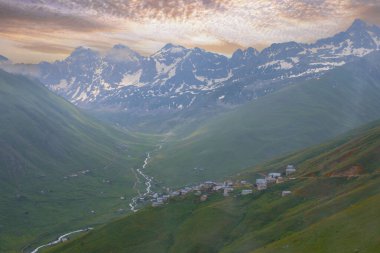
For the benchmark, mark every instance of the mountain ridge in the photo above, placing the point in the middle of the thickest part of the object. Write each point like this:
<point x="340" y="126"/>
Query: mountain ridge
<point x="295" y="117"/>
<point x="176" y="78"/>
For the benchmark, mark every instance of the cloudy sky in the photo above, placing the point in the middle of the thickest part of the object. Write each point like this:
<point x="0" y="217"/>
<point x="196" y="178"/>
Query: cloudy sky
<point x="36" y="30"/>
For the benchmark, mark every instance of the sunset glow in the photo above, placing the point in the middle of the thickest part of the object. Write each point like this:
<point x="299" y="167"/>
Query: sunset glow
<point x="31" y="31"/>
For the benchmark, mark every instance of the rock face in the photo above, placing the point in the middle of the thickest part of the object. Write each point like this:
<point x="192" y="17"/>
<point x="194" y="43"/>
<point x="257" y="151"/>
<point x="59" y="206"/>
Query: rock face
<point x="176" y="78"/>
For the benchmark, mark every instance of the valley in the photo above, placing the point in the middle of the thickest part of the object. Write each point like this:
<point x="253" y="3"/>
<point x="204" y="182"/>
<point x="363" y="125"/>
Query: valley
<point x="62" y="172"/>
<point x="322" y="209"/>
<point x="114" y="149"/>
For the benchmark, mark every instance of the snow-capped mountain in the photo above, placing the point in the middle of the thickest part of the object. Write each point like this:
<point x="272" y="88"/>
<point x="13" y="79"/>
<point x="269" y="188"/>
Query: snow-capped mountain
<point x="175" y="78"/>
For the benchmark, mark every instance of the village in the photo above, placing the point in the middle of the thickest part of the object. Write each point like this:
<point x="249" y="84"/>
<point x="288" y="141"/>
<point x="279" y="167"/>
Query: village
<point x="239" y="187"/>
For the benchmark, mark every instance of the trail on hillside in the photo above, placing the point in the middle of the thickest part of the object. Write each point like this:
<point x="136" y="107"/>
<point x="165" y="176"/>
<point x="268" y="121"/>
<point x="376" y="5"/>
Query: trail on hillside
<point x="60" y="239"/>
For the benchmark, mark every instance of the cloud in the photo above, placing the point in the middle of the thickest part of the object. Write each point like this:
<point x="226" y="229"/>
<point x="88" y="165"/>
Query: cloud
<point x="14" y="17"/>
<point x="47" y="48"/>
<point x="54" y="26"/>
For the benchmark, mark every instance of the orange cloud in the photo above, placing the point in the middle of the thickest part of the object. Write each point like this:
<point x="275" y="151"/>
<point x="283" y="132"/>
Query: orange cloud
<point x="53" y="27"/>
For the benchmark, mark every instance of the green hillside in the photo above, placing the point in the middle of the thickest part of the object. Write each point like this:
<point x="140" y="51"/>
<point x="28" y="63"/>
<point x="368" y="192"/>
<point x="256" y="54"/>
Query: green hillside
<point x="295" y="117"/>
<point x="57" y="165"/>
<point x="333" y="207"/>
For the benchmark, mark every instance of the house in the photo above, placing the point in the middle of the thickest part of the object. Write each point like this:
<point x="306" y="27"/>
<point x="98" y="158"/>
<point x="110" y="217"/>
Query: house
<point x="228" y="183"/>
<point x="175" y="193"/>
<point x="184" y="191"/>
<point x="261" y="187"/>
<point x="279" y="180"/>
<point x="203" y="198"/>
<point x="274" y="175"/>
<point x="246" y="192"/>
<point x="290" y="169"/>
<point x="157" y="204"/>
<point x="209" y="183"/>
<point x="197" y="188"/>
<point x="261" y="184"/>
<point x="227" y="190"/>
<point x="270" y="180"/>
<point x="285" y="193"/>
<point x="197" y="193"/>
<point x="217" y="187"/>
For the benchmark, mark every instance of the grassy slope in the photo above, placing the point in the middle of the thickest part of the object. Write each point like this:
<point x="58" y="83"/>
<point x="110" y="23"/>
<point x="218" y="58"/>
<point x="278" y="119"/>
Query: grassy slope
<point x="324" y="214"/>
<point x="293" y="118"/>
<point x="43" y="139"/>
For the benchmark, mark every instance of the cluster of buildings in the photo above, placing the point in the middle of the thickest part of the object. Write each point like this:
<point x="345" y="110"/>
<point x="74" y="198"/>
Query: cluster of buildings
<point x="202" y="190"/>
<point x="275" y="178"/>
<point x="227" y="187"/>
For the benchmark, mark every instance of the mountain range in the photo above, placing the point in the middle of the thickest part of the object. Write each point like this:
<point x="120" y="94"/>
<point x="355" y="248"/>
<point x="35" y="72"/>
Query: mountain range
<point x="177" y="78"/>
<point x="297" y="116"/>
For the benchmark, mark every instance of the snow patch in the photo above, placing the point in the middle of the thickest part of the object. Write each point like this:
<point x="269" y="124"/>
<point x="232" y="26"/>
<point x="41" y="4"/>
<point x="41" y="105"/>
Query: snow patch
<point x="279" y="64"/>
<point x="295" y="59"/>
<point x="336" y="64"/>
<point x="285" y="65"/>
<point x="191" y="102"/>
<point x="131" y="80"/>
<point x="62" y="85"/>
<point x="82" y="97"/>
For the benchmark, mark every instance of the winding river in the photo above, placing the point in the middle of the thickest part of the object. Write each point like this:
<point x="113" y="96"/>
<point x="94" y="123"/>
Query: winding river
<point x="148" y="184"/>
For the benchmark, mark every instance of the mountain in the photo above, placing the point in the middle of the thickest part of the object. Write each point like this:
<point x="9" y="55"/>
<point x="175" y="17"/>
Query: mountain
<point x="3" y="59"/>
<point x="57" y="165"/>
<point x="300" y="115"/>
<point x="177" y="79"/>
<point x="333" y="207"/>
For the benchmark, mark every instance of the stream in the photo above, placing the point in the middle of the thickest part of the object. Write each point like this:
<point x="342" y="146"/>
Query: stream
<point x="148" y="184"/>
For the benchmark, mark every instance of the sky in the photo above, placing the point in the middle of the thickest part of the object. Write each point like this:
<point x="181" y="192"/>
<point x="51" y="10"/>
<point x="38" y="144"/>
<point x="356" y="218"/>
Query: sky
<point x="47" y="30"/>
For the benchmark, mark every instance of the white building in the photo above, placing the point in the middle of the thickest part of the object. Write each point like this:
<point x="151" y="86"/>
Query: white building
<point x="261" y="184"/>
<point x="274" y="175"/>
<point x="246" y="192"/>
<point x="290" y="169"/>
<point x="203" y="197"/>
<point x="285" y="193"/>
<point x="217" y="187"/>
<point x="227" y="190"/>
<point x="156" y="204"/>
<point x="175" y="193"/>
<point x="270" y="180"/>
